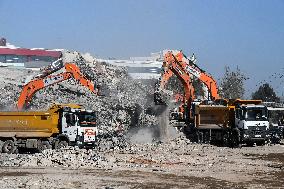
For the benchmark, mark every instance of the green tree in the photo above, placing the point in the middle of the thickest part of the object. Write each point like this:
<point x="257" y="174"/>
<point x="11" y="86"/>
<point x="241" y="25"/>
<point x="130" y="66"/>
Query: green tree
<point x="265" y="93"/>
<point x="232" y="84"/>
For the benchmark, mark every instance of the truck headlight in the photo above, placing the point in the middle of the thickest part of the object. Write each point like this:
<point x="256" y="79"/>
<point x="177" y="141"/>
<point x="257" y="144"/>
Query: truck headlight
<point x="246" y="136"/>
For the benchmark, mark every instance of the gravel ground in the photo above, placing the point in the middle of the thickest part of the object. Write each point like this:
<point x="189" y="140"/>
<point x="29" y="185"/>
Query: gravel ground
<point x="173" y="164"/>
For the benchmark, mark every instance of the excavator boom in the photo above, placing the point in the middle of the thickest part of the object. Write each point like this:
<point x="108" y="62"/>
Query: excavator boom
<point x="70" y="71"/>
<point x="176" y="63"/>
<point x="171" y="68"/>
<point x="192" y="69"/>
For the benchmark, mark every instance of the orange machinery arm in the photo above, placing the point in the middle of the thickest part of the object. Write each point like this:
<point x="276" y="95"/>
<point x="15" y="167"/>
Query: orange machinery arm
<point x="172" y="67"/>
<point x="192" y="69"/>
<point x="71" y="71"/>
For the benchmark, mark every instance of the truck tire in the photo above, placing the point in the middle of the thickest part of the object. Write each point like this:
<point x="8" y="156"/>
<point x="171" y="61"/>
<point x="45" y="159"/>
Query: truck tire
<point x="260" y="143"/>
<point x="235" y="139"/>
<point x="9" y="147"/>
<point x="200" y="139"/>
<point x="62" y="144"/>
<point x="226" y="139"/>
<point x="1" y="145"/>
<point x="43" y="145"/>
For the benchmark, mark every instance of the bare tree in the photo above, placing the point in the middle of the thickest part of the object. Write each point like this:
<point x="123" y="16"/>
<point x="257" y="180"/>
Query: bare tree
<point x="232" y="84"/>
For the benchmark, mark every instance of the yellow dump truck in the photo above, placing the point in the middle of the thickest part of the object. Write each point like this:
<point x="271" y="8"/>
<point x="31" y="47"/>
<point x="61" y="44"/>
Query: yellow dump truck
<point x="61" y="125"/>
<point x="240" y="121"/>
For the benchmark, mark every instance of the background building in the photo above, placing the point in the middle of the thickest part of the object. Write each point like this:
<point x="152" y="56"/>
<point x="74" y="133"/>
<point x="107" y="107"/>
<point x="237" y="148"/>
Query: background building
<point x="12" y="56"/>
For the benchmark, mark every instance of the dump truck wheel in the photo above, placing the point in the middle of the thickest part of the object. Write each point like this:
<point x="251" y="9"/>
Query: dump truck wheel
<point x="200" y="139"/>
<point x="1" y="145"/>
<point x="43" y="145"/>
<point x="236" y="142"/>
<point x="9" y="147"/>
<point x="62" y="144"/>
<point x="260" y="143"/>
<point x="226" y="139"/>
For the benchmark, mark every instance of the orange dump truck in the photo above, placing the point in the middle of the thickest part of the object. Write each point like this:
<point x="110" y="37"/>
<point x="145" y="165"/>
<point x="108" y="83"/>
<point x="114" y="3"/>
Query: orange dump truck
<point x="241" y="121"/>
<point x="61" y="125"/>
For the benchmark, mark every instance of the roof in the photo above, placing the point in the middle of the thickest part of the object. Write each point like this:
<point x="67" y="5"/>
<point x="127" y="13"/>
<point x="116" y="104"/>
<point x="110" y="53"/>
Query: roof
<point x="29" y="52"/>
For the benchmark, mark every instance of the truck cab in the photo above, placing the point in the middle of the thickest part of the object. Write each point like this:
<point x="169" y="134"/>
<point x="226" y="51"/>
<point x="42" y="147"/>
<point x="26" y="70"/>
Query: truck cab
<point x="79" y="125"/>
<point x="252" y="121"/>
<point x="276" y="122"/>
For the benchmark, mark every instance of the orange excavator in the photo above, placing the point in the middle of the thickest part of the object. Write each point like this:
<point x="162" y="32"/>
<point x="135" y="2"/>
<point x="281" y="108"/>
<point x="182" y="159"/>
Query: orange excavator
<point x="175" y="62"/>
<point x="191" y="68"/>
<point x="54" y="73"/>
<point x="218" y="119"/>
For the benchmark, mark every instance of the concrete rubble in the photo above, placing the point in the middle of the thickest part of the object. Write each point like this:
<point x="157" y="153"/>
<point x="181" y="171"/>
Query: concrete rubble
<point x="176" y="162"/>
<point x="100" y="158"/>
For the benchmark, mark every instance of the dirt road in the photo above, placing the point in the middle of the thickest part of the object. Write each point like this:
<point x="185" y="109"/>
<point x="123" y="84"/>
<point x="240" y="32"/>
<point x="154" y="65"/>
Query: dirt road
<point x="156" y="166"/>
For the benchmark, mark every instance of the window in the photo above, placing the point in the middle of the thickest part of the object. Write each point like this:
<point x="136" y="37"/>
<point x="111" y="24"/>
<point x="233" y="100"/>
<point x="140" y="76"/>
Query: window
<point x="10" y="58"/>
<point x="22" y="59"/>
<point x="87" y="119"/>
<point x="42" y="58"/>
<point x="255" y="114"/>
<point x="2" y="58"/>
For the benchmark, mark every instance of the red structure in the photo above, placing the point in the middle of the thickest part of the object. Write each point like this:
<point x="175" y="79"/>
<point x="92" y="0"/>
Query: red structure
<point x="29" y="58"/>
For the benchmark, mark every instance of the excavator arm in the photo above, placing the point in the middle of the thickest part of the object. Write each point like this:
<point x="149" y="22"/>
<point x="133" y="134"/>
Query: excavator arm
<point x="175" y="62"/>
<point x="171" y="63"/>
<point x="70" y="71"/>
<point x="192" y="69"/>
<point x="170" y="68"/>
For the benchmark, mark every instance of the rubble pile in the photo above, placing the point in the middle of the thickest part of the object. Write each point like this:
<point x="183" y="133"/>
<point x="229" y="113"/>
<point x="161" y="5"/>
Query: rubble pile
<point x="123" y="105"/>
<point x="10" y="82"/>
<point x="74" y="157"/>
<point x="64" y="157"/>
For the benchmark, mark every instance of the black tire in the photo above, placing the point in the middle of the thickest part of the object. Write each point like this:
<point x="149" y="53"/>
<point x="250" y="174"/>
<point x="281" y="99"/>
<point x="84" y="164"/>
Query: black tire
<point x="62" y="144"/>
<point x="9" y="147"/>
<point x="236" y="140"/>
<point x="260" y="143"/>
<point x="200" y="139"/>
<point x="193" y="134"/>
<point x="250" y="143"/>
<point x="43" y="145"/>
<point x="1" y="145"/>
<point x="206" y="138"/>
<point x="226" y="139"/>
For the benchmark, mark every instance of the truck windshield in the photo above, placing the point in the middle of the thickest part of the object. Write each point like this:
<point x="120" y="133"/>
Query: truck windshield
<point x="256" y="114"/>
<point x="87" y="119"/>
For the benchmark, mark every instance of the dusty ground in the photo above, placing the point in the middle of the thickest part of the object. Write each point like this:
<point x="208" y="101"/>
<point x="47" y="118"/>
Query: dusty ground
<point x="167" y="165"/>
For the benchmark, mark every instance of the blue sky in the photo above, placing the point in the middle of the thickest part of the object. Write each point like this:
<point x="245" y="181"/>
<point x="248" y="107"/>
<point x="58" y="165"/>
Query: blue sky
<point x="247" y="34"/>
